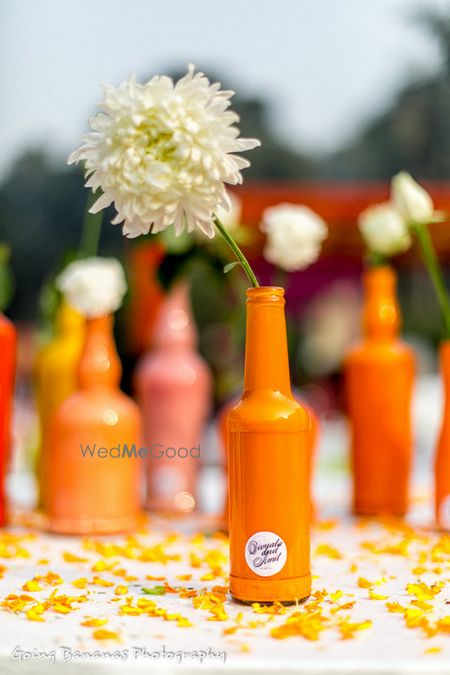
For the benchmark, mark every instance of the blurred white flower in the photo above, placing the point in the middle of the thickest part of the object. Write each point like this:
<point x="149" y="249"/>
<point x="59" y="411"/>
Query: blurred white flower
<point x="411" y="199"/>
<point x="384" y="230"/>
<point x="162" y="153"/>
<point x="294" y="236"/>
<point x="94" y="286"/>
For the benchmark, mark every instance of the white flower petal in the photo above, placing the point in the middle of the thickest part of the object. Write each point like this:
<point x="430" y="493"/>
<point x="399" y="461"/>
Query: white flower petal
<point x="294" y="236"/>
<point x="411" y="199"/>
<point x="384" y="230"/>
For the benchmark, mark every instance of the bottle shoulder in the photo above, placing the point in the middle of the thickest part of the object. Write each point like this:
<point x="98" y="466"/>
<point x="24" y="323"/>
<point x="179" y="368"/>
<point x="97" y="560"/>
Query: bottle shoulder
<point x="374" y="350"/>
<point x="266" y="410"/>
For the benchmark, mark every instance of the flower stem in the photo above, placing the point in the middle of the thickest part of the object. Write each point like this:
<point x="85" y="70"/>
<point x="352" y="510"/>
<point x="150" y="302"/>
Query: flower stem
<point x="237" y="251"/>
<point x="435" y="272"/>
<point x="92" y="227"/>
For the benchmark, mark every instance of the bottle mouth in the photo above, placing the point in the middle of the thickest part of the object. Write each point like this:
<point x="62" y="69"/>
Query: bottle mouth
<point x="265" y="294"/>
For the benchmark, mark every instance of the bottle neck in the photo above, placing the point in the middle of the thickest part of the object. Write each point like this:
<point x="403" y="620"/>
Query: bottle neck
<point x="381" y="313"/>
<point x="68" y="320"/>
<point x="444" y="359"/>
<point x="266" y="353"/>
<point x="175" y="328"/>
<point x="99" y="364"/>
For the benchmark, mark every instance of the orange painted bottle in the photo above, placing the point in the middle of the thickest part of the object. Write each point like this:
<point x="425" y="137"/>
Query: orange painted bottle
<point x="269" y="518"/>
<point x="8" y="348"/>
<point x="442" y="457"/>
<point x="222" y="429"/>
<point x="95" y="491"/>
<point x="56" y="368"/>
<point x="379" y="375"/>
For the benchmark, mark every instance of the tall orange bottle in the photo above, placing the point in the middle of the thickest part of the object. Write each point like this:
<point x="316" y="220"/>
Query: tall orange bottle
<point x="442" y="460"/>
<point x="8" y="347"/>
<point x="94" y="491"/>
<point x="379" y="376"/>
<point x="268" y="466"/>
<point x="56" y="370"/>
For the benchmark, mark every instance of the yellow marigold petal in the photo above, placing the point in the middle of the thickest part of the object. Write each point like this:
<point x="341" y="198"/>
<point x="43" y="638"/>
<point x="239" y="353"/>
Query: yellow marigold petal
<point x="35" y="613"/>
<point x="328" y="551"/>
<point x="72" y="558"/>
<point x="94" y="623"/>
<point x="103" y="634"/>
<point x="336" y="595"/>
<point x="102" y="566"/>
<point x="419" y="570"/>
<point x="443" y="624"/>
<point x="424" y="592"/>
<point x="121" y="590"/>
<point x="395" y="607"/>
<point x="62" y="609"/>
<point x="218" y="614"/>
<point x="421" y="604"/>
<point x="98" y="581"/>
<point x="376" y="596"/>
<point x="348" y="629"/>
<point x="31" y="586"/>
<point x="80" y="583"/>
<point x="183" y="622"/>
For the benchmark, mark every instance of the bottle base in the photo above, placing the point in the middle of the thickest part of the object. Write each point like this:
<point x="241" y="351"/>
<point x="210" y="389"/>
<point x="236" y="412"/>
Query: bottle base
<point x="267" y="591"/>
<point x="375" y="510"/>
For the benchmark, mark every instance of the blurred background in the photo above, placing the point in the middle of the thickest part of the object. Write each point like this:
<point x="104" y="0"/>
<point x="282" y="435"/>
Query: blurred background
<point x="342" y="95"/>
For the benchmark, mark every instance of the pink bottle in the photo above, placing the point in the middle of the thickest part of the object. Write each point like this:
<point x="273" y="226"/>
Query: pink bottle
<point x="173" y="385"/>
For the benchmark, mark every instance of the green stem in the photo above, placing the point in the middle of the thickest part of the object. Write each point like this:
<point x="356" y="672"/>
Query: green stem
<point x="92" y="227"/>
<point x="376" y="259"/>
<point x="435" y="272"/>
<point x="237" y="251"/>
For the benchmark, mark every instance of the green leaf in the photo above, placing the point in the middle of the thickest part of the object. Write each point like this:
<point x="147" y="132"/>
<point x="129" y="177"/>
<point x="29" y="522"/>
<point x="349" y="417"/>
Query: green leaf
<point x="156" y="590"/>
<point x="230" y="266"/>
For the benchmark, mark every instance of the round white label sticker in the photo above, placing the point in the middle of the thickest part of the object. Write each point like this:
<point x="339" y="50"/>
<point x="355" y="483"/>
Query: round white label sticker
<point x="265" y="553"/>
<point x="444" y="512"/>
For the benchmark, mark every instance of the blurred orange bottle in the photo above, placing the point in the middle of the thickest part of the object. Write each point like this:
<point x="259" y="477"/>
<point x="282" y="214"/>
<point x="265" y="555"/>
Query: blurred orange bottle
<point x="379" y="375"/>
<point x="8" y="347"/>
<point x="56" y="368"/>
<point x="269" y="515"/>
<point x="95" y="491"/>
<point x="442" y="460"/>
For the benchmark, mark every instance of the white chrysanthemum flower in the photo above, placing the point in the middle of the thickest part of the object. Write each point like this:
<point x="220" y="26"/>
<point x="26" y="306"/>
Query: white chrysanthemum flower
<point x="162" y="153"/>
<point x="384" y="230"/>
<point x="94" y="286"/>
<point x="294" y="236"/>
<point x="411" y="199"/>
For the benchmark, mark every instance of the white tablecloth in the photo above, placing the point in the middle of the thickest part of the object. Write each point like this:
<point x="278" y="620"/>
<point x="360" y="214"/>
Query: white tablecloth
<point x="348" y="556"/>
